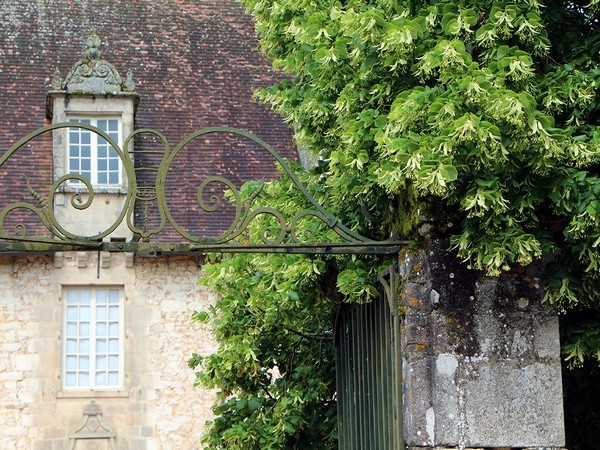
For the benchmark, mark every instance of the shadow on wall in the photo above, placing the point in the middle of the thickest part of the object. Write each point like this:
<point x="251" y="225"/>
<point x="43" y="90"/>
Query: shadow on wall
<point x="581" y="389"/>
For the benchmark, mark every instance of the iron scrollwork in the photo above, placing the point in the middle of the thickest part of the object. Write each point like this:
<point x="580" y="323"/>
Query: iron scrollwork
<point x="283" y="237"/>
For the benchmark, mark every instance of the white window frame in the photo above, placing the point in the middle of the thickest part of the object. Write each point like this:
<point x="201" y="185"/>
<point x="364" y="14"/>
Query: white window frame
<point x="93" y="353"/>
<point x="94" y="149"/>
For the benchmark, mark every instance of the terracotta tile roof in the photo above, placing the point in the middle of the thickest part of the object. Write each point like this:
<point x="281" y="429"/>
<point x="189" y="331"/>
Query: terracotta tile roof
<point x="195" y="64"/>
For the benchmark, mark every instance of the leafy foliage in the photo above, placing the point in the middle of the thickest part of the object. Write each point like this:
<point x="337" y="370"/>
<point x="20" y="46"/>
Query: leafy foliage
<point x="274" y="368"/>
<point x="489" y="109"/>
<point x="485" y="112"/>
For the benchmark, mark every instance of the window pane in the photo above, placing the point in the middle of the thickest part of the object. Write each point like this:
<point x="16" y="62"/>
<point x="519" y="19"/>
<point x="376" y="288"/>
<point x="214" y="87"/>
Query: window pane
<point x="101" y="362"/>
<point x="84" y="379"/>
<point x="86" y="138"/>
<point x="84" y="329"/>
<point x="71" y="362"/>
<point x="71" y="313"/>
<point x="71" y="329"/>
<point x="113" y="329"/>
<point x="72" y="297"/>
<point x="84" y="313"/>
<point x="101" y="329"/>
<point x="86" y="165"/>
<point x="113" y="378"/>
<point x="101" y="296"/>
<point x="114" y="296"/>
<point x="84" y="346"/>
<point x="113" y="345"/>
<point x="102" y="178"/>
<point x="84" y="363"/>
<point x="84" y="296"/>
<point x="101" y="345"/>
<point x="114" y="313"/>
<point x="71" y="345"/>
<point x="102" y="124"/>
<point x="70" y="379"/>
<point x="113" y="362"/>
<point x="100" y="312"/>
<point x="100" y="379"/>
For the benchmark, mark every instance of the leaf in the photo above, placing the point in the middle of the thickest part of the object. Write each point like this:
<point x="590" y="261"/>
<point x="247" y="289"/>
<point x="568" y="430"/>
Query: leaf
<point x="449" y="173"/>
<point x="201" y="316"/>
<point x="452" y="27"/>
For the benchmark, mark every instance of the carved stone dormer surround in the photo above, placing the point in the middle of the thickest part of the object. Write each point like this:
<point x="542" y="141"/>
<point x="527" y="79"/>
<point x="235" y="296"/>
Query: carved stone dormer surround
<point x="91" y="76"/>
<point x="92" y="89"/>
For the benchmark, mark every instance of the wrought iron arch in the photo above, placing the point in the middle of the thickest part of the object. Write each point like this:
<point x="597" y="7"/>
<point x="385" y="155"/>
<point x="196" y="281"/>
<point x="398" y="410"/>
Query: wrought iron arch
<point x="285" y="239"/>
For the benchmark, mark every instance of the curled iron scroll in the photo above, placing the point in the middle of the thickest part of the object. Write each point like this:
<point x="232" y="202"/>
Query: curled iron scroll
<point x="285" y="231"/>
<point x="80" y="200"/>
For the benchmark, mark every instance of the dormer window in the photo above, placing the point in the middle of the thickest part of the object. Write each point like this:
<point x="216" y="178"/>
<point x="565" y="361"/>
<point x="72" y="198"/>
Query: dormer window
<point x="93" y="93"/>
<point x="90" y="155"/>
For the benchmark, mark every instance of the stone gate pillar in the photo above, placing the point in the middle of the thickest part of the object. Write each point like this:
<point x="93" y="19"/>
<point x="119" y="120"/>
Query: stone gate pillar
<point x="481" y="356"/>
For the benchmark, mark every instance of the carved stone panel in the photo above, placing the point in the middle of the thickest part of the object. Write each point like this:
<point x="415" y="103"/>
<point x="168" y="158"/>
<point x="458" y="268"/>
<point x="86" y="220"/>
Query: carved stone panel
<point x="93" y="433"/>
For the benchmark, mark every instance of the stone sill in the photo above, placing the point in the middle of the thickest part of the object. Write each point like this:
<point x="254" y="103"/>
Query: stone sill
<point x="92" y="394"/>
<point x="98" y="189"/>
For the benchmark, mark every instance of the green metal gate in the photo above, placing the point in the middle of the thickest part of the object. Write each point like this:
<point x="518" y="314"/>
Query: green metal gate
<point x="369" y="374"/>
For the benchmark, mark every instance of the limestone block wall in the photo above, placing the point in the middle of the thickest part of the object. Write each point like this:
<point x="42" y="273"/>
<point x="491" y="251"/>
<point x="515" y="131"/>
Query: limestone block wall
<point x="158" y="408"/>
<point x="481" y="356"/>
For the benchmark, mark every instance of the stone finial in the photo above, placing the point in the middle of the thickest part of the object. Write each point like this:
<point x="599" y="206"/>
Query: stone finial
<point x="92" y="45"/>
<point x="129" y="83"/>
<point x="93" y="409"/>
<point x="57" y="81"/>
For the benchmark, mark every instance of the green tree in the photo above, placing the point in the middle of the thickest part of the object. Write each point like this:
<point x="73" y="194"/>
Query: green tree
<point x="485" y="111"/>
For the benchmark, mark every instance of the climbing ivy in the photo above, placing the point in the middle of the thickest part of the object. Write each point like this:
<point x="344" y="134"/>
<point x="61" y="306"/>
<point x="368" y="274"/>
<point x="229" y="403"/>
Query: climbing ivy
<point x="485" y="112"/>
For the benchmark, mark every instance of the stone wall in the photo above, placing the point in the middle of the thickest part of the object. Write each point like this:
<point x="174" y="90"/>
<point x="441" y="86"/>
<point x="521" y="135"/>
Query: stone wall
<point x="481" y="356"/>
<point x="159" y="407"/>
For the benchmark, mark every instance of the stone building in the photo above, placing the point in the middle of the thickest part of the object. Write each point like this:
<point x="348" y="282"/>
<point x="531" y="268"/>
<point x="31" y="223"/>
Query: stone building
<point x="93" y="345"/>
